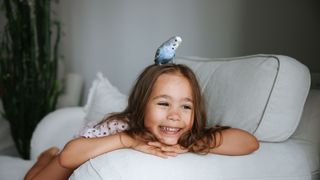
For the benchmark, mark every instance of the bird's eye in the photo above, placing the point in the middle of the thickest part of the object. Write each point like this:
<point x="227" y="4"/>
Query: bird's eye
<point x="172" y="48"/>
<point x="175" y="40"/>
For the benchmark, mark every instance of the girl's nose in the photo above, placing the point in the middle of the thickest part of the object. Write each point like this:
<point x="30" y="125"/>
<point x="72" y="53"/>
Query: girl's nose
<point x="174" y="114"/>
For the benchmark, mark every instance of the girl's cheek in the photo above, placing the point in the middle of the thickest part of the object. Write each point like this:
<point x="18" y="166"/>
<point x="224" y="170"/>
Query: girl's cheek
<point x="189" y="117"/>
<point x="156" y="112"/>
<point x="160" y="112"/>
<point x="187" y="113"/>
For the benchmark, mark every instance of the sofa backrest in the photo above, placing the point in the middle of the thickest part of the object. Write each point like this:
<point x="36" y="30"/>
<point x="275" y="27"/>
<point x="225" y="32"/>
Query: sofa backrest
<point x="262" y="94"/>
<point x="308" y="129"/>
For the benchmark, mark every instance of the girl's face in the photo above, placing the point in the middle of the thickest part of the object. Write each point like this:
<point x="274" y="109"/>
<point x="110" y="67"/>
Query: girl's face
<point x="169" y="111"/>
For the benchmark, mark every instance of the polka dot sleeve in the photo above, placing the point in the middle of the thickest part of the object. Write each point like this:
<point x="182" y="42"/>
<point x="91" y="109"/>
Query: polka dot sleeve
<point x="104" y="129"/>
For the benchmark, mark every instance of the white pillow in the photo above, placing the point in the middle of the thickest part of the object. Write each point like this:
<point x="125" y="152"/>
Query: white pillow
<point x="262" y="94"/>
<point x="103" y="99"/>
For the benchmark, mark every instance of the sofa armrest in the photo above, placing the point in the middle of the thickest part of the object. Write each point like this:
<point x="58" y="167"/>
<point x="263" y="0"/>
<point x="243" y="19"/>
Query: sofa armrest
<point x="71" y="92"/>
<point x="56" y="129"/>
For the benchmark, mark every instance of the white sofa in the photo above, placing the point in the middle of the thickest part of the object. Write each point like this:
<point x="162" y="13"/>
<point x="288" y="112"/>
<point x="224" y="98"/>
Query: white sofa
<point x="263" y="94"/>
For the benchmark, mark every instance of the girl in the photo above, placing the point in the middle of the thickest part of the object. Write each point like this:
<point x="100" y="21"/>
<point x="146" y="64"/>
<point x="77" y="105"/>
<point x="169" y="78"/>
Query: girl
<point x="165" y="117"/>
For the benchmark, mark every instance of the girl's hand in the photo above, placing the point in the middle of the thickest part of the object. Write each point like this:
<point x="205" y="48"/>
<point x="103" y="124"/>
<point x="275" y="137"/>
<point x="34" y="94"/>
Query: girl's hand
<point x="169" y="149"/>
<point x="153" y="148"/>
<point x="144" y="147"/>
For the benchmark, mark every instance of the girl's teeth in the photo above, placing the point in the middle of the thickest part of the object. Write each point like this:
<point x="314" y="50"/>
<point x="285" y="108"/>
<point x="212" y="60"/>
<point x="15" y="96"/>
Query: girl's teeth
<point x="170" y="129"/>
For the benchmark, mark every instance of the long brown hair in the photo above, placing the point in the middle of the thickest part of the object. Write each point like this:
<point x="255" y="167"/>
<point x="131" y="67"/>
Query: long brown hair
<point x="198" y="139"/>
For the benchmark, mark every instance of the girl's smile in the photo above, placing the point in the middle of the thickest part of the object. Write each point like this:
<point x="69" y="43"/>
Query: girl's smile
<point x="169" y="111"/>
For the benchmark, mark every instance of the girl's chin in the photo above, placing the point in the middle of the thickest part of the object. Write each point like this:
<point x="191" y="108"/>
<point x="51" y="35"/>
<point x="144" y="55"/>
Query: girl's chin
<point x="170" y="142"/>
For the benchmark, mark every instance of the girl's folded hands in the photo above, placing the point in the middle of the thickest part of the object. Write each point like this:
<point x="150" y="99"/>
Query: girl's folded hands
<point x="154" y="148"/>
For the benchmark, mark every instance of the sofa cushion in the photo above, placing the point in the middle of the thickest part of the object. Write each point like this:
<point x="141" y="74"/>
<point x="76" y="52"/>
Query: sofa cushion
<point x="14" y="168"/>
<point x="262" y="94"/>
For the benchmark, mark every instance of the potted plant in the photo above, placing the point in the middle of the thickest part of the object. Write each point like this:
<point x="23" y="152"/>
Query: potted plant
<point x="28" y="67"/>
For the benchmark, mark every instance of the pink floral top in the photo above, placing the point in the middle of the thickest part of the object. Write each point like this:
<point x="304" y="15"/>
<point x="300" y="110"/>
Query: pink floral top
<point x="103" y="129"/>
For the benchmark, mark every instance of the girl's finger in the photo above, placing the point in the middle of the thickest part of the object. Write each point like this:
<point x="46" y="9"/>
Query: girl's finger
<point x="155" y="144"/>
<point x="181" y="149"/>
<point x="173" y="154"/>
<point x="175" y="148"/>
<point x="164" y="147"/>
<point x="164" y="154"/>
<point x="158" y="152"/>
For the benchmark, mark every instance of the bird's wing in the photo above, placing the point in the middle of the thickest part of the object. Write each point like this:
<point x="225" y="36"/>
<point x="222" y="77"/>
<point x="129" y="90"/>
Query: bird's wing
<point x="158" y="53"/>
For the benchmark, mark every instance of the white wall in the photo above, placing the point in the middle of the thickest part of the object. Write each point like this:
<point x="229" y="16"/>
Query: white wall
<point x="119" y="37"/>
<point x="290" y="27"/>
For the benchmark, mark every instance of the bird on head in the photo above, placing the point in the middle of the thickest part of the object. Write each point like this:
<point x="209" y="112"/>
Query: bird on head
<point x="167" y="51"/>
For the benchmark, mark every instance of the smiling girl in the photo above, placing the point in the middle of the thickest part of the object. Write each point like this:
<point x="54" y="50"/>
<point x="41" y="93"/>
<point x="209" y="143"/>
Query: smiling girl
<point x="165" y="117"/>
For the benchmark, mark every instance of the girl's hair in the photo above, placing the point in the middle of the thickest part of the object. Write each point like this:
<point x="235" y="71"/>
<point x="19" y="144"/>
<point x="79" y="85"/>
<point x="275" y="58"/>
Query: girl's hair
<point x="198" y="139"/>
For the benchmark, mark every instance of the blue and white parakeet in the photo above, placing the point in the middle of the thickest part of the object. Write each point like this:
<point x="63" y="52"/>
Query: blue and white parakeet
<point x="167" y="51"/>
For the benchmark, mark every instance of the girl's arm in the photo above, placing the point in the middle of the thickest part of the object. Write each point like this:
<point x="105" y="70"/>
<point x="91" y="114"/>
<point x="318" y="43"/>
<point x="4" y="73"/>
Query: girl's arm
<point x="231" y="142"/>
<point x="80" y="150"/>
<point x="235" y="142"/>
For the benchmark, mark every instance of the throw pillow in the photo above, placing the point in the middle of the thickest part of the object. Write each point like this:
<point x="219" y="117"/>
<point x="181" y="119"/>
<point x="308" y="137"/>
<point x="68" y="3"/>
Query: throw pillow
<point x="103" y="99"/>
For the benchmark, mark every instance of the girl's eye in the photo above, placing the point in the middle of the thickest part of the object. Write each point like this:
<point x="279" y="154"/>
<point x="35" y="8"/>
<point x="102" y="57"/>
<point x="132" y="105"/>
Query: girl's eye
<point x="186" y="107"/>
<point x="163" y="104"/>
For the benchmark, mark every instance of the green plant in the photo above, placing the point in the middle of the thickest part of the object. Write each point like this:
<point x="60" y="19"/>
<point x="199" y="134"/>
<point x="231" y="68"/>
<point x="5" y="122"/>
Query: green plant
<point x="28" y="67"/>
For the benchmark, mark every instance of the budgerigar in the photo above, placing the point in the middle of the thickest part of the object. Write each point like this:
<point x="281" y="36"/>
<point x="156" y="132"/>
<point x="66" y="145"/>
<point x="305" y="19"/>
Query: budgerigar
<point x="167" y="51"/>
